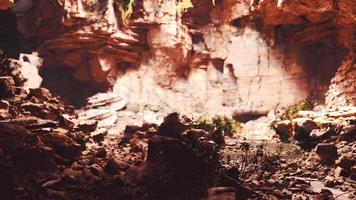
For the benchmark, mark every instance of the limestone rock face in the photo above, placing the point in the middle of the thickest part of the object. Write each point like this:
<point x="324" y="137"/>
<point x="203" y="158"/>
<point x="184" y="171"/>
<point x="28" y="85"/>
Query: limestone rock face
<point x="342" y="88"/>
<point x="244" y="56"/>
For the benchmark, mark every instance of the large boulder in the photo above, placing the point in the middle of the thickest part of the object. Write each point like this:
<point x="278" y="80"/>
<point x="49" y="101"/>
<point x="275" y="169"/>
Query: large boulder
<point x="181" y="152"/>
<point x="25" y="148"/>
<point x="173" y="125"/>
<point x="63" y="145"/>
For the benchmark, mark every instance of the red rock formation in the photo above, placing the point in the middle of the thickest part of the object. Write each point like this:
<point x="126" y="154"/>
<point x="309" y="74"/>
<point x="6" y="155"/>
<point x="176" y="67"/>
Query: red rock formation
<point x="5" y="4"/>
<point x="212" y="63"/>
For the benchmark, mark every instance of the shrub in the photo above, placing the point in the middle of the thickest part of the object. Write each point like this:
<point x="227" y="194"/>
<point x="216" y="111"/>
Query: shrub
<point x="218" y="123"/>
<point x="126" y="8"/>
<point x="291" y="112"/>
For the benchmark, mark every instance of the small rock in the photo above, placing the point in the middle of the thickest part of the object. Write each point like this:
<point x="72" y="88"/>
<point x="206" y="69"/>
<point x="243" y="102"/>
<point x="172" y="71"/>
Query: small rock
<point x="88" y="126"/>
<point x="119" y="180"/>
<point x="41" y="93"/>
<point x="340" y="172"/>
<point x="7" y="84"/>
<point x="140" y="135"/>
<point x="98" y="136"/>
<point x="327" y="152"/>
<point x="68" y="121"/>
<point x="4" y="104"/>
<point x="62" y="144"/>
<point x="130" y="130"/>
<point x="96" y="169"/>
<point x="101" y="152"/>
<point x="348" y="133"/>
<point x="324" y="194"/>
<point x="284" y="128"/>
<point x="111" y="167"/>
<point x="353" y="172"/>
<point x="320" y="134"/>
<point x="303" y="127"/>
<point x="346" y="162"/>
<point x="329" y="181"/>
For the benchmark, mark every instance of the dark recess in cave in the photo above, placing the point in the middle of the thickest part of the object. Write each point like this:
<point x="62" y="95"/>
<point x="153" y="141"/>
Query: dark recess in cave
<point x="9" y="34"/>
<point x="62" y="83"/>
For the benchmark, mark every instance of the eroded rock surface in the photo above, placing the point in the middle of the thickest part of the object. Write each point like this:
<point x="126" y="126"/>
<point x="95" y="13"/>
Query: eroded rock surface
<point x="242" y="55"/>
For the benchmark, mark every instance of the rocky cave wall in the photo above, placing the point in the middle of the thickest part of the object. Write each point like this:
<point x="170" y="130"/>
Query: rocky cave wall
<point x="234" y="56"/>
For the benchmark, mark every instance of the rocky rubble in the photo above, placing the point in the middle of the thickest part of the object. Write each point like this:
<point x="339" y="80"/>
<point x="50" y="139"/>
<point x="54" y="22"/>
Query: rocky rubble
<point x="331" y="135"/>
<point x="165" y="54"/>
<point x="47" y="152"/>
<point x="37" y="131"/>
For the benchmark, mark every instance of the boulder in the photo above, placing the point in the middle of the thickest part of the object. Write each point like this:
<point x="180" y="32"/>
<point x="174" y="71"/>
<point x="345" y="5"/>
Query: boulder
<point x="7" y="84"/>
<point x="327" y="153"/>
<point x="87" y="126"/>
<point x="173" y="125"/>
<point x="348" y="133"/>
<point x="41" y="93"/>
<point x="284" y="127"/>
<point x="303" y="127"/>
<point x="339" y="171"/>
<point x="12" y="136"/>
<point x="320" y="134"/>
<point x="346" y="162"/>
<point x="353" y="172"/>
<point x="4" y="109"/>
<point x="62" y="144"/>
<point x="113" y="166"/>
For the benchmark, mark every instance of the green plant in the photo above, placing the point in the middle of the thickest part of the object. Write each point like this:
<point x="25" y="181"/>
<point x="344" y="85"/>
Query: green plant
<point x="218" y="123"/>
<point x="291" y="112"/>
<point x="183" y="5"/>
<point x="126" y="8"/>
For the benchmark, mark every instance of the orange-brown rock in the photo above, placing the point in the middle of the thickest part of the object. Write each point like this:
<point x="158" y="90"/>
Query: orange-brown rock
<point x="285" y="50"/>
<point x="6" y="4"/>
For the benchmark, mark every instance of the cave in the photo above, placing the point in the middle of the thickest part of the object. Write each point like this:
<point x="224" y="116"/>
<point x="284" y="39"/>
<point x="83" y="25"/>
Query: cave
<point x="62" y="82"/>
<point x="9" y="35"/>
<point x="177" y="100"/>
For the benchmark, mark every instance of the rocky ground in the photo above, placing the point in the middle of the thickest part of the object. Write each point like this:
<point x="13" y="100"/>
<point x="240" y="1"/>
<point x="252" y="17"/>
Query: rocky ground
<point x="48" y="151"/>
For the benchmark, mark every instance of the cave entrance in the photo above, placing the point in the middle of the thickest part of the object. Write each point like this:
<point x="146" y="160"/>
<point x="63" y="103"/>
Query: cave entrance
<point x="61" y="82"/>
<point x="8" y="34"/>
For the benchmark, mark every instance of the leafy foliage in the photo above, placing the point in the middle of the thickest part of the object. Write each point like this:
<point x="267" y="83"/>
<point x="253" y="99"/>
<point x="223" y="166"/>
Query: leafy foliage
<point x="126" y="8"/>
<point x="291" y="112"/>
<point x="218" y="123"/>
<point x="183" y="5"/>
